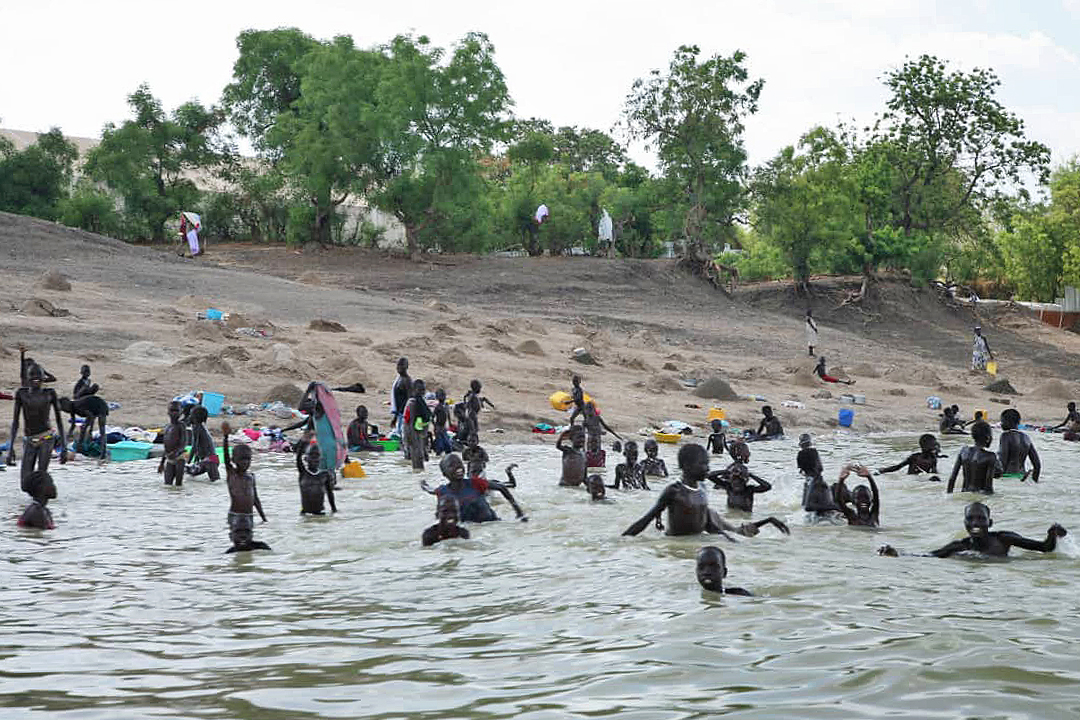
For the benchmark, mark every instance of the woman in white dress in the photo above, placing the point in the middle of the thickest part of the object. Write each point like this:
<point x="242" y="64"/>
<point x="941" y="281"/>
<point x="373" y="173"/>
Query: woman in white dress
<point x="811" y="332"/>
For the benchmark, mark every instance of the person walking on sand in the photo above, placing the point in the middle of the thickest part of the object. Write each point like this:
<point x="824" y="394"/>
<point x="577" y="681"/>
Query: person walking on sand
<point x="980" y="351"/>
<point x="811" y="332"/>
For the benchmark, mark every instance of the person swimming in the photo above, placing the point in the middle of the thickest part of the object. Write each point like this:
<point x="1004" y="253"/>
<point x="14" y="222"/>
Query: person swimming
<point x="862" y="506"/>
<point x="808" y="460"/>
<point x="924" y="461"/>
<point x="447" y="528"/>
<point x="597" y="489"/>
<point x="41" y="489"/>
<point x="711" y="569"/>
<point x="736" y="482"/>
<point x="950" y="423"/>
<point x="653" y="465"/>
<point x="359" y="433"/>
<point x="629" y="475"/>
<point x="981" y="540"/>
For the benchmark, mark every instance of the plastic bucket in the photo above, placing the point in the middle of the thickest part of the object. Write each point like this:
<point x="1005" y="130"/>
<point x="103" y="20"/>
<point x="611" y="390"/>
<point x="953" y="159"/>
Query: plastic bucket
<point x="846" y="417"/>
<point x="716" y="414"/>
<point x="214" y="314"/>
<point x="985" y="414"/>
<point x="991" y="367"/>
<point x="213" y="401"/>
<point x="129" y="450"/>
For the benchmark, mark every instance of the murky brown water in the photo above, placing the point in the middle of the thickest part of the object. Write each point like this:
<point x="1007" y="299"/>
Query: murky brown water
<point x="129" y="609"/>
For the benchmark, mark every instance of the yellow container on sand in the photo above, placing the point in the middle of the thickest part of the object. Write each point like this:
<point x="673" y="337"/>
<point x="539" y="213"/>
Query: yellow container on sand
<point x="716" y="414"/>
<point x="991" y="367"/>
<point x="671" y="438"/>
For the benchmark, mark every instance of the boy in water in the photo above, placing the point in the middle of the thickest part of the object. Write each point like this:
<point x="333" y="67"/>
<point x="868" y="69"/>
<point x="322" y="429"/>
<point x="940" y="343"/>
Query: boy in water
<point x="475" y="458"/>
<point x="440" y="419"/>
<point x="653" y="465"/>
<point x="924" y="461"/>
<point x="597" y="489"/>
<point x="172" y="462"/>
<point x="687" y="506"/>
<point x="470" y="492"/>
<point x="464" y="425"/>
<point x="1015" y="448"/>
<point x="866" y="502"/>
<point x="315" y="482"/>
<point x="42" y="490"/>
<point x="400" y="394"/>
<point x="573" y="457"/>
<point x="980" y="466"/>
<point x="1071" y="421"/>
<point x="769" y="428"/>
<point x="243" y="496"/>
<point x="33" y="404"/>
<point x="447" y="527"/>
<point x="950" y="423"/>
<point x="712" y="569"/>
<point x="808" y="460"/>
<point x="977" y="522"/>
<point x="474" y="403"/>
<point x="735" y="480"/>
<point x="594" y="430"/>
<point x="25" y="363"/>
<point x="203" y="453"/>
<point x="717" y="442"/>
<point x="359" y="432"/>
<point x="415" y="426"/>
<point x="629" y="474"/>
<point x="94" y="410"/>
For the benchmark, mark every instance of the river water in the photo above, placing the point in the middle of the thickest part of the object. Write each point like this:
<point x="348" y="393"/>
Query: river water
<point x="130" y="609"/>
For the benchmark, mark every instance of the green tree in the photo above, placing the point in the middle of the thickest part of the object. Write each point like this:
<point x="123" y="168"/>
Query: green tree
<point x="148" y="160"/>
<point x="89" y="208"/>
<point x="529" y="158"/>
<point x="693" y="116"/>
<point x="440" y="116"/>
<point x="35" y="180"/>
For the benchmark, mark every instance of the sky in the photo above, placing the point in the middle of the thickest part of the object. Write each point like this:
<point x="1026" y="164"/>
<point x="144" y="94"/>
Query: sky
<point x="73" y="63"/>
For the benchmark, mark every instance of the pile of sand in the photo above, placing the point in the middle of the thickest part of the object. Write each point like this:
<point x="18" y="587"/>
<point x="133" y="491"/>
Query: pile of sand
<point x="237" y="353"/>
<point x="1001" y="387"/>
<point x="280" y="360"/>
<point x="1054" y="389"/>
<point x="443" y="329"/>
<point x="531" y="347"/>
<point x="321" y="325"/>
<point x="310" y="278"/>
<point x="206" y="330"/>
<point x="342" y="367"/>
<point x="501" y="348"/>
<point x="917" y="375"/>
<point x="804" y="376"/>
<point x="36" y="307"/>
<point x="147" y="353"/>
<point x="865" y="370"/>
<point x="286" y="393"/>
<point x="205" y="364"/>
<point x="54" y="280"/>
<point x="456" y="357"/>
<point x="662" y="384"/>
<point x="633" y="363"/>
<point x="715" y="389"/>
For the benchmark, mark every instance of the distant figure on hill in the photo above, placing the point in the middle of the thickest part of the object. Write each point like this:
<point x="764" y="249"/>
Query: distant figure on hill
<point x="811" y="332"/>
<point x="980" y="351"/>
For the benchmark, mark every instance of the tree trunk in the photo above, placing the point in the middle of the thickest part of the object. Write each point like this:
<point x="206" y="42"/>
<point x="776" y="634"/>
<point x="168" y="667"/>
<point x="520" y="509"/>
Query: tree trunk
<point x="411" y="246"/>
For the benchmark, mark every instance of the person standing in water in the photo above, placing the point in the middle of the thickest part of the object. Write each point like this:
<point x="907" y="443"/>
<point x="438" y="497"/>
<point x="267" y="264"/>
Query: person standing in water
<point x="33" y="404"/>
<point x="400" y="394"/>
<point x="980" y="351"/>
<point x="1015" y="448"/>
<point x="811" y="332"/>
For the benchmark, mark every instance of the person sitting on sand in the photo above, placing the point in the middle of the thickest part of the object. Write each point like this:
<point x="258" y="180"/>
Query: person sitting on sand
<point x="768" y="429"/>
<point x="653" y="465"/>
<point x="316" y="483"/>
<point x="1015" y="448"/>
<point x="470" y="492"/>
<point x="924" y="461"/>
<point x="203" y="456"/>
<point x="861" y="506"/>
<point x="819" y="370"/>
<point x="359" y="433"/>
<point x="41" y="488"/>
<point x="629" y="474"/>
<point x="243" y="496"/>
<point x="447" y="528"/>
<point x="717" y="442"/>
<point x="172" y="438"/>
<point x="687" y="505"/>
<point x="981" y="540"/>
<point x="980" y="466"/>
<point x="711" y="569"/>
<point x="573" y="456"/>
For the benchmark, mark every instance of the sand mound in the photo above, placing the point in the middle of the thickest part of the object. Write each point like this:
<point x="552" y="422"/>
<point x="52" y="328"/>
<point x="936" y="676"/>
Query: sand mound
<point x="804" y="377"/>
<point x="342" y="367"/>
<point x="208" y="364"/>
<point x="663" y="383"/>
<point x="715" y="389"/>
<point x="437" y="306"/>
<point x="36" y="307"/>
<point x="321" y="325"/>
<point x="236" y="353"/>
<point x="865" y="370"/>
<point x="310" y="278"/>
<point x="923" y="376"/>
<point x="280" y="360"/>
<point x="531" y="347"/>
<point x="633" y="363"/>
<point x="1054" y="389"/>
<point x="54" y="280"/>
<point x="455" y="357"/>
<point x="147" y="353"/>
<point x="443" y="329"/>
<point x="206" y="330"/>
<point x="501" y="348"/>
<point x="286" y="393"/>
<point x="1001" y="387"/>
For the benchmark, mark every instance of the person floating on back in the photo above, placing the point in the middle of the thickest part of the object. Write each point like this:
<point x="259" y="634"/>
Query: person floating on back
<point x="981" y="540"/>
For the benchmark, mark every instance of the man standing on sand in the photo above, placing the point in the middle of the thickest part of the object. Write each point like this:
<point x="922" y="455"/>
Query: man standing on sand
<point x="980" y="351"/>
<point x="811" y="332"/>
